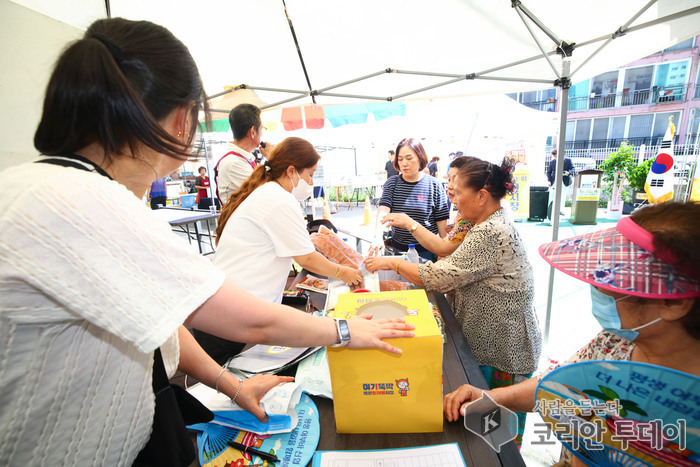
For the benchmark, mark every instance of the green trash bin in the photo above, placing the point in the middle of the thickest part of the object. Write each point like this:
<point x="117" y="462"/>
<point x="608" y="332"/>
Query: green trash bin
<point x="584" y="206"/>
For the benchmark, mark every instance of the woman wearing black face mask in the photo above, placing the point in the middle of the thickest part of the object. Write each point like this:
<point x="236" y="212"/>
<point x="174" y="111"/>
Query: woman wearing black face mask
<point x="645" y="283"/>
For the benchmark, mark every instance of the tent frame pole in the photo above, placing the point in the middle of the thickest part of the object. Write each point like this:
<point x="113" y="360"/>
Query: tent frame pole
<point x="521" y="10"/>
<point x="621" y="31"/>
<point x="564" y="83"/>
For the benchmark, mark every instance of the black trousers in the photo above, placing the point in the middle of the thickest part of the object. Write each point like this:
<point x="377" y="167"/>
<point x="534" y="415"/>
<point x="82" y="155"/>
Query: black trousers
<point x="156" y="200"/>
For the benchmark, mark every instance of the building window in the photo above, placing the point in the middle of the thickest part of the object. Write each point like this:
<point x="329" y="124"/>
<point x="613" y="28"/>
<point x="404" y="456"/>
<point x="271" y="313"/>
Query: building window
<point x="670" y="80"/>
<point x="617" y="131"/>
<point x="661" y="123"/>
<point x="578" y="96"/>
<point x="603" y="89"/>
<point x="637" y="86"/>
<point x="600" y="132"/>
<point x="528" y="97"/>
<point x="570" y="130"/>
<point x="583" y="133"/>
<point x="685" y="45"/>
<point x="693" y="125"/>
<point x="640" y="127"/>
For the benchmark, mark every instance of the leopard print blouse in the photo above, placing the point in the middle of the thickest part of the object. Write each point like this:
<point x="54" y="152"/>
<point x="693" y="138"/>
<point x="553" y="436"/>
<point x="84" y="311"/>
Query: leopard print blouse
<point x="494" y="292"/>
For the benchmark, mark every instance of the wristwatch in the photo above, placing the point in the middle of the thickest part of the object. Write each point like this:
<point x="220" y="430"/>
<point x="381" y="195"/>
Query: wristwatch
<point x="343" y="332"/>
<point x="413" y="227"/>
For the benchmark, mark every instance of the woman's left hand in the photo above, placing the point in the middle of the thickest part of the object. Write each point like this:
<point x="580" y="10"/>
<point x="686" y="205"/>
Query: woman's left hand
<point x="367" y="334"/>
<point x="376" y="263"/>
<point x="397" y="219"/>
<point x="350" y="276"/>
<point x="254" y="389"/>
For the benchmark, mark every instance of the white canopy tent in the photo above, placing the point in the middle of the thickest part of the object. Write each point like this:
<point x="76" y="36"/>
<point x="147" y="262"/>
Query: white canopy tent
<point x="299" y="51"/>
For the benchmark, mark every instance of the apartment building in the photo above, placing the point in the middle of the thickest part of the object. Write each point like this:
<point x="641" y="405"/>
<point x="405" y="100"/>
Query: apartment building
<point x="632" y="103"/>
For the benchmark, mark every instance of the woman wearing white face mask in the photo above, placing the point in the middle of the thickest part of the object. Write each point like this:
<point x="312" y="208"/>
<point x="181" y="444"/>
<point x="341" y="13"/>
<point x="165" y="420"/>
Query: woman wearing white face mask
<point x="645" y="284"/>
<point x="261" y="231"/>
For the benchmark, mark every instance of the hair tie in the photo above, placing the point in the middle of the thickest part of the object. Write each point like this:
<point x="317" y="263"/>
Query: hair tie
<point x="267" y="166"/>
<point x="113" y="48"/>
<point x="508" y="167"/>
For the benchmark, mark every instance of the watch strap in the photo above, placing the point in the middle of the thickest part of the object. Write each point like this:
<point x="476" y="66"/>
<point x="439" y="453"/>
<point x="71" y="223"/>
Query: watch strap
<point x="343" y="332"/>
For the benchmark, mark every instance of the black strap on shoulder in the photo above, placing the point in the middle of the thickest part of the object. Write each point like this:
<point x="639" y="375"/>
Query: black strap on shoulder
<point x="75" y="161"/>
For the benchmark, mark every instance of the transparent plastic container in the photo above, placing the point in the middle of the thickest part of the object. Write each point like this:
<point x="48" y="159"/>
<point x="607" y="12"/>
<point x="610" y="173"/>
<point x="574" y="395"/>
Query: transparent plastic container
<point x="412" y="254"/>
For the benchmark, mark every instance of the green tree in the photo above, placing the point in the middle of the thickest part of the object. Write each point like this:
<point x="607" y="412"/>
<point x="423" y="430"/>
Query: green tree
<point x="616" y="169"/>
<point x="638" y="177"/>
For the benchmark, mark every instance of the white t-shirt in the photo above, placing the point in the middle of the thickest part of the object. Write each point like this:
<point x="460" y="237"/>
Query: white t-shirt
<point x="261" y="237"/>
<point x="91" y="282"/>
<point x="233" y="171"/>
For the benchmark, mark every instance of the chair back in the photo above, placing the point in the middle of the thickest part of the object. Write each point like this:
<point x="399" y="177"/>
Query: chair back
<point x="314" y="225"/>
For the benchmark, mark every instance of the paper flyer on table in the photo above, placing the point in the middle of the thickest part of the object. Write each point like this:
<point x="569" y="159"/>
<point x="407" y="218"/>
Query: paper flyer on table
<point x="444" y="455"/>
<point x="278" y="403"/>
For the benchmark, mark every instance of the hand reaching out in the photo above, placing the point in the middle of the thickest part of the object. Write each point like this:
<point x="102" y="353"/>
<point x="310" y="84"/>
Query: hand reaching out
<point x="254" y="389"/>
<point x="397" y="219"/>
<point x="365" y="333"/>
<point x="454" y="402"/>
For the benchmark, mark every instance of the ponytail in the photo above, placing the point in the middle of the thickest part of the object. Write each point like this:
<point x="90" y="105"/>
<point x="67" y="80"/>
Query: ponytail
<point x="293" y="151"/>
<point x="260" y="176"/>
<point x="114" y="86"/>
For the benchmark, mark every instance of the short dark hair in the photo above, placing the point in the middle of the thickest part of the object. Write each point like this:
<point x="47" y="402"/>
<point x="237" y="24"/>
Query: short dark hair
<point x="242" y="118"/>
<point x="554" y="152"/>
<point x="417" y="147"/>
<point x="676" y="231"/>
<point x="292" y="151"/>
<point x="496" y="179"/>
<point x="114" y="86"/>
<point x="460" y="161"/>
<point x="391" y="152"/>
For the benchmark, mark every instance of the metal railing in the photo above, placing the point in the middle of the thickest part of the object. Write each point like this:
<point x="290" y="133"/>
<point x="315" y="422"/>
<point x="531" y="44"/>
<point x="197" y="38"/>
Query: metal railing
<point x="681" y="152"/>
<point x="655" y="95"/>
<point x="549" y="105"/>
<point x="611" y="145"/>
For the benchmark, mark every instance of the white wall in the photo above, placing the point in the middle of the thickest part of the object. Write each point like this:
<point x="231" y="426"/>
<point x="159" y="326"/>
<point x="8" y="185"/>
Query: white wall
<point x="29" y="45"/>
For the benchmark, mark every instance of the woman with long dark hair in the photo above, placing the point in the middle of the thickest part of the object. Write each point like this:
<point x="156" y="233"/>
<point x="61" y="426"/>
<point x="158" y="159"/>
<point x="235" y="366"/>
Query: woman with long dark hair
<point x="261" y="231"/>
<point x="93" y="286"/>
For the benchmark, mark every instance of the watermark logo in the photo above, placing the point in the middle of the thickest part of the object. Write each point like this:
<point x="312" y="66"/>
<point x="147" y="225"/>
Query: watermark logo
<point x="492" y="422"/>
